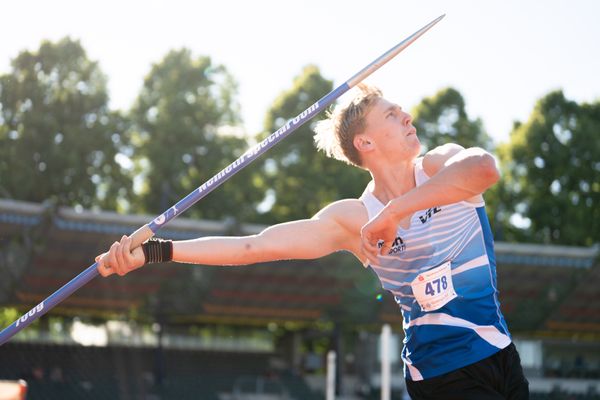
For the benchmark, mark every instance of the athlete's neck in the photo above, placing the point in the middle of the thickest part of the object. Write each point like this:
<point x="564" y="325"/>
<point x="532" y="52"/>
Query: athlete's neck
<point x="392" y="182"/>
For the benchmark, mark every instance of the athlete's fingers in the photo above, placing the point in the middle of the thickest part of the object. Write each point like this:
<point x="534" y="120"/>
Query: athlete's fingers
<point x="385" y="248"/>
<point x="127" y="256"/>
<point x="112" y="258"/>
<point x="370" y="241"/>
<point x="106" y="268"/>
<point x="101" y="265"/>
<point x="372" y="258"/>
<point x="121" y="267"/>
<point x="372" y="252"/>
<point x="370" y="248"/>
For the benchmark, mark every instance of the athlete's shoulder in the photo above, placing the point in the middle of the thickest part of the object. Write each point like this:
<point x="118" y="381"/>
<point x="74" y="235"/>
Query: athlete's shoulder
<point x="346" y="217"/>
<point x="345" y="208"/>
<point x="350" y="213"/>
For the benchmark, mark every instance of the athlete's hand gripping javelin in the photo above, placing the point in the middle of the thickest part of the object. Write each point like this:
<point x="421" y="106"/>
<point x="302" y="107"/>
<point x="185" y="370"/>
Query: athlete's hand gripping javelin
<point x="121" y="257"/>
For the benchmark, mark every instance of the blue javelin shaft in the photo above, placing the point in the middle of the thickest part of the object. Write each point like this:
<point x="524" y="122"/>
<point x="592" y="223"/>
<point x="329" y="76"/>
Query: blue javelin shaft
<point x="147" y="231"/>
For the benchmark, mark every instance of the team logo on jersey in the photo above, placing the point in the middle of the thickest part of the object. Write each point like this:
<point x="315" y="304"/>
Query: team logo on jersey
<point x="428" y="214"/>
<point x="398" y="246"/>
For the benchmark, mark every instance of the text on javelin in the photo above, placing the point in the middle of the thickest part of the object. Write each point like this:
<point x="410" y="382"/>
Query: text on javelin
<point x="253" y="151"/>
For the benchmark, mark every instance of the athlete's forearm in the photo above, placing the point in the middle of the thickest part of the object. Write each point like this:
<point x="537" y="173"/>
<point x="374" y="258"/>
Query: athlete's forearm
<point x="302" y="239"/>
<point x="120" y="259"/>
<point x="218" y="251"/>
<point x="465" y="175"/>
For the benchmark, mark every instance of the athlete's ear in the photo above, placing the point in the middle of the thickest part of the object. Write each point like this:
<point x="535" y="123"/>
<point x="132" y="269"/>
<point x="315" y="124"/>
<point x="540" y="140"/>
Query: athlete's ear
<point x="363" y="143"/>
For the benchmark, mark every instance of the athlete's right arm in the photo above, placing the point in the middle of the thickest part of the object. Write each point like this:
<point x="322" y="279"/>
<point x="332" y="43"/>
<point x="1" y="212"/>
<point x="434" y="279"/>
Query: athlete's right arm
<point x="334" y="228"/>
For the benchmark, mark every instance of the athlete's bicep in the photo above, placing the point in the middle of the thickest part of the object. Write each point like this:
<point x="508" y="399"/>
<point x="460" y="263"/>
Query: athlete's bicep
<point x="305" y="239"/>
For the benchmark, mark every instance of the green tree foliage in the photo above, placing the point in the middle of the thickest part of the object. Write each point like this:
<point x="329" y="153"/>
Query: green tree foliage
<point x="180" y="114"/>
<point x="8" y="315"/>
<point x="58" y="139"/>
<point x="552" y="165"/>
<point x="442" y="119"/>
<point x="301" y="179"/>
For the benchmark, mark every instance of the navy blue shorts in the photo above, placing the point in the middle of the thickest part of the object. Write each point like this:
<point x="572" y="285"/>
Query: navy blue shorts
<point x="498" y="377"/>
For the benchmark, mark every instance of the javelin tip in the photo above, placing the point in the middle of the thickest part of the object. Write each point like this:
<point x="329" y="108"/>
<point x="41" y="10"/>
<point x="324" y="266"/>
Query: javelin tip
<point x="391" y="53"/>
<point x="438" y="19"/>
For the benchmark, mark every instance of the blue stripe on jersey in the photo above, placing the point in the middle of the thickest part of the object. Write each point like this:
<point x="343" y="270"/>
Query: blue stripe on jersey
<point x="489" y="246"/>
<point x="487" y="235"/>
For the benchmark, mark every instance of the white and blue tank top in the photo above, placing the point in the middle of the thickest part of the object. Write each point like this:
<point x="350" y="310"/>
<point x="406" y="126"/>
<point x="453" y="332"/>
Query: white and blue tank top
<point x="442" y="273"/>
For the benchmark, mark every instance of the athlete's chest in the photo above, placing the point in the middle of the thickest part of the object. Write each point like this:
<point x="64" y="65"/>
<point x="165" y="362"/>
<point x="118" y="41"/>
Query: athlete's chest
<point x="415" y="232"/>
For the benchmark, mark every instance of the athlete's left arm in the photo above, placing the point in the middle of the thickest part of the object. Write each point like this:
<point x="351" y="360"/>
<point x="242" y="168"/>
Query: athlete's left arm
<point x="457" y="174"/>
<point x="477" y="164"/>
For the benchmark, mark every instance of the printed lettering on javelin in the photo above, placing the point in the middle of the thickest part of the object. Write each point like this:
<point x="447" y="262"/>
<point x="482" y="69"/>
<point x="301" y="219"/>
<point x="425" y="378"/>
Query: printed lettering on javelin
<point x="31" y="313"/>
<point x="160" y="219"/>
<point x="167" y="215"/>
<point x="253" y="151"/>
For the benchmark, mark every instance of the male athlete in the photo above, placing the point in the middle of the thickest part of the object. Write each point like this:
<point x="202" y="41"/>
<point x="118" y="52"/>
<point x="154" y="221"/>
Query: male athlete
<point x="420" y="224"/>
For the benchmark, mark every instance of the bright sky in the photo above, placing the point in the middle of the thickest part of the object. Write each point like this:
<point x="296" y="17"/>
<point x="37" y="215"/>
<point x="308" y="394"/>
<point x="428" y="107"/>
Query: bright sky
<point x="501" y="55"/>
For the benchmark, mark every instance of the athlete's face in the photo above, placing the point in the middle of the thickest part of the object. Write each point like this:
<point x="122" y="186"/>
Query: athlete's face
<point x="392" y="130"/>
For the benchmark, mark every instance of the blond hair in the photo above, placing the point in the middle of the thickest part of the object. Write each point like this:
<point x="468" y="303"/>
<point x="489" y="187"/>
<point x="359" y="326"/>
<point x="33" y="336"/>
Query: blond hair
<point x="335" y="135"/>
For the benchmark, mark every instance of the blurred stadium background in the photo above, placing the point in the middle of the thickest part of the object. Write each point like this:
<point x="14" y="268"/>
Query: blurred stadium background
<point x="75" y="176"/>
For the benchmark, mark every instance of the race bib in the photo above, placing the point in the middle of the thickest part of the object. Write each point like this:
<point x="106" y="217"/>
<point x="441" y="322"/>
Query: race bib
<point x="433" y="289"/>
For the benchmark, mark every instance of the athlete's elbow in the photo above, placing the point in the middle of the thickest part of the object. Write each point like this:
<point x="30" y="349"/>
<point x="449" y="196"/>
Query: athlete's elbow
<point x="487" y="169"/>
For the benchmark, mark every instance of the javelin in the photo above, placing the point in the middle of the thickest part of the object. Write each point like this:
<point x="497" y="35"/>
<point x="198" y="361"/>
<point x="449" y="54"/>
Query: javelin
<point x="147" y="231"/>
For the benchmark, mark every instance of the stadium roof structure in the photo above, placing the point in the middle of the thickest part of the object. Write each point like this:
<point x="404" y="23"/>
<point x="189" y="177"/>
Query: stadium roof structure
<point x="545" y="289"/>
